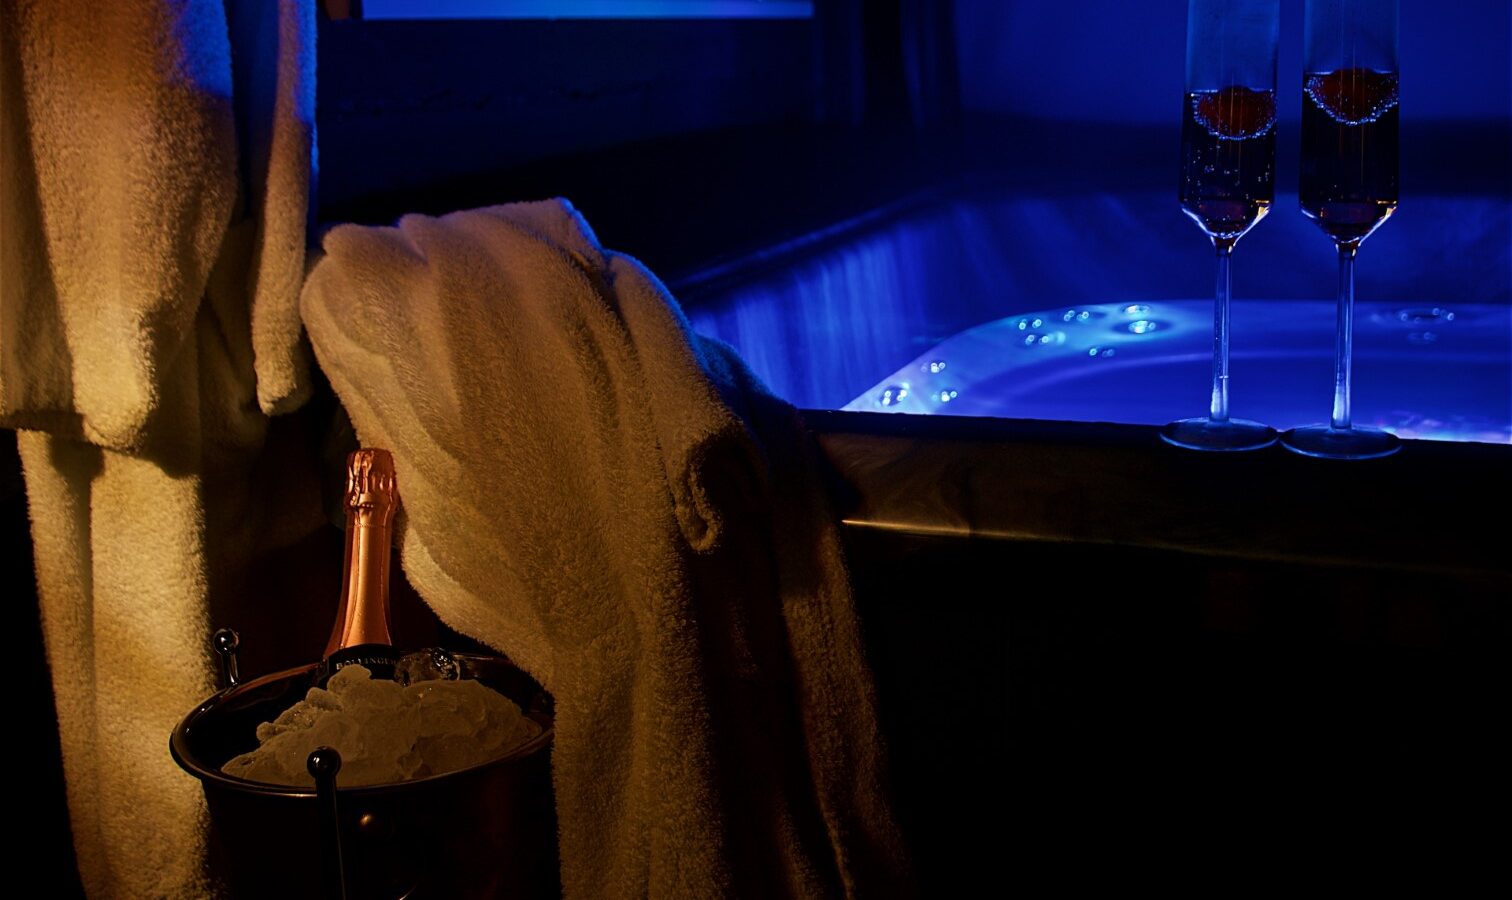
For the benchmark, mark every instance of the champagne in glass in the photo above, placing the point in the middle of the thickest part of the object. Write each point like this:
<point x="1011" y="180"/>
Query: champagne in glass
<point x="1228" y="163"/>
<point x="1228" y="160"/>
<point x="1349" y="178"/>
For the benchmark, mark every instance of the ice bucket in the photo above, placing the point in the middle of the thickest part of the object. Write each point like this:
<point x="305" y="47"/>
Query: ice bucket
<point x="485" y="831"/>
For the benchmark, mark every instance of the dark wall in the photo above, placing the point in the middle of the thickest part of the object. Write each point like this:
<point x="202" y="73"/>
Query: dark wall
<point x="1106" y="662"/>
<point x="1108" y="716"/>
<point x="1115" y="61"/>
<point x="406" y="104"/>
<point x="1086" y="96"/>
<point x="682" y="142"/>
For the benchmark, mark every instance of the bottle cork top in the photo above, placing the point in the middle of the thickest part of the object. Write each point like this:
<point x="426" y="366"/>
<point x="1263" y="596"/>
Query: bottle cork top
<point x="372" y="495"/>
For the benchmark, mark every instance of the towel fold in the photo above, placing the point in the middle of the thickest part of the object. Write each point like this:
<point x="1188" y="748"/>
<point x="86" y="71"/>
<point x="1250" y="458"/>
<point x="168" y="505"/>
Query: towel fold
<point x="153" y="202"/>
<point x="618" y="505"/>
<point x="273" y="44"/>
<point x="121" y="124"/>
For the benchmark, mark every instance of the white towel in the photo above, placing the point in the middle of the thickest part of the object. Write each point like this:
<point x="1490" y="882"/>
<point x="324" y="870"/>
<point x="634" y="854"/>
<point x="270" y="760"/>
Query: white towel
<point x="617" y="505"/>
<point x="137" y="279"/>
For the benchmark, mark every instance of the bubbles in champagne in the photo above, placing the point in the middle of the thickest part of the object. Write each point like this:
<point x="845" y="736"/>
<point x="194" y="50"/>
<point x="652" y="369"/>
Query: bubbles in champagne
<point x="1353" y="96"/>
<point x="1235" y="113"/>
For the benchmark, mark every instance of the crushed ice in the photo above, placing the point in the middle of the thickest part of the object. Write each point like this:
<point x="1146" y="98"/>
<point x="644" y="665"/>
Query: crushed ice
<point x="386" y="731"/>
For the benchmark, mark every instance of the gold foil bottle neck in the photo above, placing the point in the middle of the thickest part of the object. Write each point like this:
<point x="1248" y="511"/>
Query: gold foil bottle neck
<point x="362" y="618"/>
<point x="372" y="494"/>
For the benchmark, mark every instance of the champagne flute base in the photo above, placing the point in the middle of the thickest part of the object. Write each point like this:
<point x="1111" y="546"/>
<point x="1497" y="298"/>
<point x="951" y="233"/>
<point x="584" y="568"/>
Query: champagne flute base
<point x="1228" y="435"/>
<point x="1327" y="442"/>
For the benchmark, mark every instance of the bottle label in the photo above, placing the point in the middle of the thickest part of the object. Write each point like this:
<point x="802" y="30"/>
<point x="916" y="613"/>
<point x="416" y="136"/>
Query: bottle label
<point x="379" y="659"/>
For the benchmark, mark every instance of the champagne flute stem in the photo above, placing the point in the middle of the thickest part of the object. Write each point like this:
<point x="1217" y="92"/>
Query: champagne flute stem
<point x="1219" y="410"/>
<point x="1344" y="337"/>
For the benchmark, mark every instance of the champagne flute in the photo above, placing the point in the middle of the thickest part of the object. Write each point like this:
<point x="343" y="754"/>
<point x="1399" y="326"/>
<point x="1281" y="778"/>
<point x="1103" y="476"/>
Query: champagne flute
<point x="1228" y="164"/>
<point x="1349" y="178"/>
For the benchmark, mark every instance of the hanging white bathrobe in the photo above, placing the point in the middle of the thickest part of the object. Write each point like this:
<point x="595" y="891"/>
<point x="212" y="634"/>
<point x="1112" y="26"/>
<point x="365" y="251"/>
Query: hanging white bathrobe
<point x="150" y="263"/>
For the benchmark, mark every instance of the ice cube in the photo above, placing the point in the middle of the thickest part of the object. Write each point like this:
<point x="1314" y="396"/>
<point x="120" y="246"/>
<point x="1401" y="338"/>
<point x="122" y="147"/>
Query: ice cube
<point x="301" y="715"/>
<point x="432" y="664"/>
<point x="387" y="732"/>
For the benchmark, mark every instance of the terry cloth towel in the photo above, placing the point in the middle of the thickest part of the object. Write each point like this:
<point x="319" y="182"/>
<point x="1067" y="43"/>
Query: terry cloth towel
<point x="617" y="505"/>
<point x="154" y="204"/>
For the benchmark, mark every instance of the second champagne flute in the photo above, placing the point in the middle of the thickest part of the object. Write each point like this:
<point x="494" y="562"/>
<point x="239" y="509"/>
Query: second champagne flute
<point x="1228" y="165"/>
<point x="1349" y="180"/>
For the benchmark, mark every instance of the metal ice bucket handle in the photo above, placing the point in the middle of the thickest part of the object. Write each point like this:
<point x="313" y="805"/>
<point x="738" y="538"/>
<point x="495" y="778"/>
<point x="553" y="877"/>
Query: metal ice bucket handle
<point x="226" y="642"/>
<point x="324" y="763"/>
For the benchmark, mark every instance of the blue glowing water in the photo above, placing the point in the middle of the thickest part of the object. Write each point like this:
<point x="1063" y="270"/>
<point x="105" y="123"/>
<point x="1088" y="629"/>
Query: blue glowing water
<point x="1059" y="308"/>
<point x="1422" y="371"/>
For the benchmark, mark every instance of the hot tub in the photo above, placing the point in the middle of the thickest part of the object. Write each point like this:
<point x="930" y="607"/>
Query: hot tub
<point x="989" y="302"/>
<point x="1123" y="623"/>
<point x="1434" y="372"/>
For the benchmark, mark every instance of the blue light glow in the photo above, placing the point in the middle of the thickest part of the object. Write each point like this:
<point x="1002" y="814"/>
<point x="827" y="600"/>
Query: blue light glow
<point x="587" y="9"/>
<point x="1426" y="315"/>
<point x="1450" y="384"/>
<point x="892" y="395"/>
<point x="965" y="280"/>
<point x="1120" y="61"/>
<point x="1043" y="339"/>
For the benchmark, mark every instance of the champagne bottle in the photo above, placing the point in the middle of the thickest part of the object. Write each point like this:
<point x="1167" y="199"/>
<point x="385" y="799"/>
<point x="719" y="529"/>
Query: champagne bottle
<point x="361" y="634"/>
